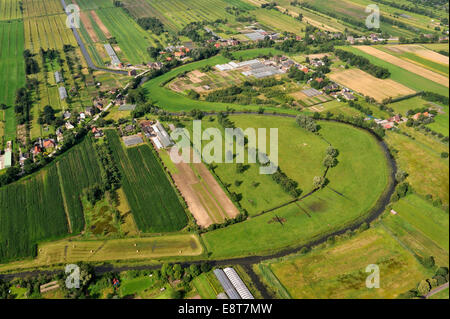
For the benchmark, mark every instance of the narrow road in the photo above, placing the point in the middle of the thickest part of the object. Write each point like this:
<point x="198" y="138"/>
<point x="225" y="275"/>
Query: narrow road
<point x="436" y="290"/>
<point x="86" y="55"/>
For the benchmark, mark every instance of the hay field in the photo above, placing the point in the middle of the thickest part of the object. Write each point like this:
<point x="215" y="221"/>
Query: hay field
<point x="430" y="75"/>
<point x="369" y="85"/>
<point x="65" y="251"/>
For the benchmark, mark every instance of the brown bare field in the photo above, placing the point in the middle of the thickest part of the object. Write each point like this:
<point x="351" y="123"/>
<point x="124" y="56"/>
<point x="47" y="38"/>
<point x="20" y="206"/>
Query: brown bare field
<point x="206" y="200"/>
<point x="298" y="95"/>
<point x="100" y="24"/>
<point x="420" y="51"/>
<point x="425" y="73"/>
<point x="369" y="85"/>
<point x="88" y="26"/>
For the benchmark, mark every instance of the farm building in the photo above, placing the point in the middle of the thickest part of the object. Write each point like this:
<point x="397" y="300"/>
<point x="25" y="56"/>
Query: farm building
<point x="162" y="135"/>
<point x="238" y="284"/>
<point x="226" y="284"/>
<point x="112" y="54"/>
<point x="256" y="35"/>
<point x="132" y="140"/>
<point x="58" y="77"/>
<point x="62" y="92"/>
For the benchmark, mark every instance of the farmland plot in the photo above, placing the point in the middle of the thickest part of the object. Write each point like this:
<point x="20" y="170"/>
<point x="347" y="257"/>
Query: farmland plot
<point x="10" y="10"/>
<point x="30" y="211"/>
<point x="153" y="201"/>
<point x="12" y="73"/>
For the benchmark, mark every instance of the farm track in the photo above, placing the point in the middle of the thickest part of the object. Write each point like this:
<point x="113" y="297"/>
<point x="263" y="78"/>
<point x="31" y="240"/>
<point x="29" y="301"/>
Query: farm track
<point x="247" y="261"/>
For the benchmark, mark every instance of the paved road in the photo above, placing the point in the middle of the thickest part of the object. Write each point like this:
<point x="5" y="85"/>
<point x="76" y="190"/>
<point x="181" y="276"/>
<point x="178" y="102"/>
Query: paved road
<point x="86" y="55"/>
<point x="436" y="290"/>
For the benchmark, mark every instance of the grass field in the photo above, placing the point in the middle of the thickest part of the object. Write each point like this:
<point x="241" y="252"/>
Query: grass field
<point x="207" y="285"/>
<point x="339" y="271"/>
<point x="12" y="73"/>
<point x="345" y="200"/>
<point x="153" y="202"/>
<point x="407" y="78"/>
<point x="421" y="227"/>
<point x="428" y="172"/>
<point x="65" y="251"/>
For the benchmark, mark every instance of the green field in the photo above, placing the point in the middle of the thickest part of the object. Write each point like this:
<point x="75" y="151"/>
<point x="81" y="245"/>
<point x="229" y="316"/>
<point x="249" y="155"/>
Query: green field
<point x="345" y="200"/>
<point x="42" y="202"/>
<point x="421" y="158"/>
<point x="422" y="227"/>
<point x="12" y="73"/>
<point x="409" y="79"/>
<point x="153" y="201"/>
<point x="338" y="272"/>
<point x="207" y="285"/>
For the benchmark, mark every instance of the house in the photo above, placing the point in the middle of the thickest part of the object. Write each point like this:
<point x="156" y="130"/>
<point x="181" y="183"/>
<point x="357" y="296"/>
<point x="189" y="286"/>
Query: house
<point x="331" y="87"/>
<point x="67" y="115"/>
<point x="69" y="126"/>
<point x="82" y="116"/>
<point x="36" y="150"/>
<point x="388" y="125"/>
<point x="132" y="73"/>
<point x="89" y="111"/>
<point x="319" y="80"/>
<point x="49" y="143"/>
<point x="97" y="133"/>
<point x="351" y="39"/>
<point x="397" y="119"/>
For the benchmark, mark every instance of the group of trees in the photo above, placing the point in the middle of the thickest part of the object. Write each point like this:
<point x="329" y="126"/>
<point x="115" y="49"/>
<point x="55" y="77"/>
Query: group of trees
<point x="287" y="184"/>
<point x="362" y="63"/>
<point x="151" y="23"/>
<point x="111" y="179"/>
<point x="31" y="66"/>
<point x="330" y="159"/>
<point x="307" y="123"/>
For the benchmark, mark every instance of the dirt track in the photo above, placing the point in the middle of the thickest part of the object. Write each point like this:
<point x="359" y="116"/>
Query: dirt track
<point x="425" y="73"/>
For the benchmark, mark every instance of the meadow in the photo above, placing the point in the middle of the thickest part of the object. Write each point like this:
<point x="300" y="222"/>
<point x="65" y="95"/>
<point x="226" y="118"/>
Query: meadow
<point x="339" y="272"/>
<point x="345" y="200"/>
<point x="152" y="199"/>
<point x="421" y="227"/>
<point x="421" y="158"/>
<point x="12" y="73"/>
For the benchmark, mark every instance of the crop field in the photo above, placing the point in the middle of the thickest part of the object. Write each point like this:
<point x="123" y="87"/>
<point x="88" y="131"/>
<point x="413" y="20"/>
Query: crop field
<point x="64" y="251"/>
<point x="427" y="74"/>
<point x="419" y="55"/>
<point x="78" y="170"/>
<point x="132" y="40"/>
<point x="153" y="201"/>
<point x="47" y="32"/>
<point x="10" y="10"/>
<point x="411" y="80"/>
<point x="278" y="21"/>
<point x="207" y="285"/>
<point x="369" y="85"/>
<point x="421" y="227"/>
<point x="341" y="203"/>
<point x="12" y="73"/>
<point x="339" y="271"/>
<point x="175" y="14"/>
<point x="31" y="210"/>
<point x="428" y="172"/>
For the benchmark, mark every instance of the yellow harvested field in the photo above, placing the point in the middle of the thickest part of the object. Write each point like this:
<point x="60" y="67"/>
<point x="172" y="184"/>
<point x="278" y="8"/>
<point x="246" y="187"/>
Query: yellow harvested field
<point x="425" y="73"/>
<point x="420" y="51"/>
<point x="369" y="85"/>
<point x="70" y="251"/>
